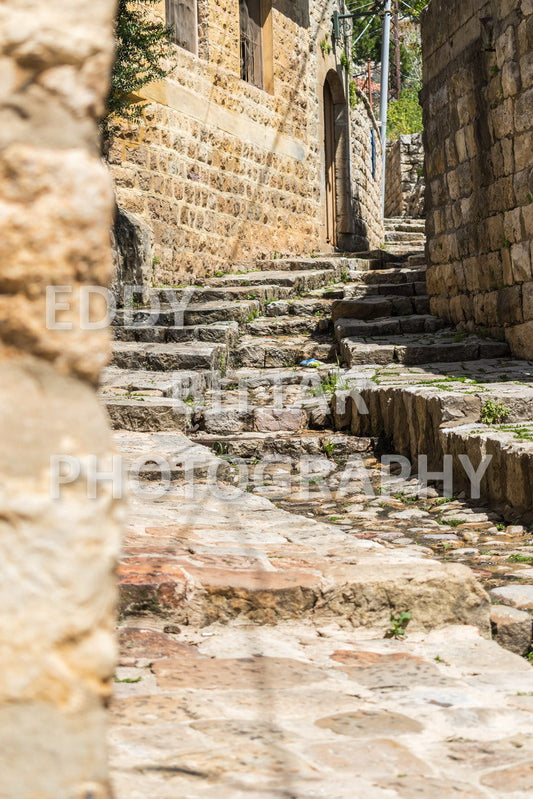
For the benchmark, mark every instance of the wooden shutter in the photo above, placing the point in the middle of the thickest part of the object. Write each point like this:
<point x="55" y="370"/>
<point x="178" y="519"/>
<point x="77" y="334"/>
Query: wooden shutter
<point x="251" y="42"/>
<point x="182" y="17"/>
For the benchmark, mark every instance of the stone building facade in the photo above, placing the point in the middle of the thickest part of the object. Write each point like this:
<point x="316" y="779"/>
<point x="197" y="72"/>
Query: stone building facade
<point x="231" y="165"/>
<point x="478" y="113"/>
<point x="405" y="186"/>
<point x="57" y="555"/>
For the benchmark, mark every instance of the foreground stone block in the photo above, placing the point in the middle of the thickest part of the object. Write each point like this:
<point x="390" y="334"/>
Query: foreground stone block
<point x="58" y="545"/>
<point x="511" y="628"/>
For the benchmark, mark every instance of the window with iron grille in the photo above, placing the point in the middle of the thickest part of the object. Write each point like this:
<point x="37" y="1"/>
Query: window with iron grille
<point x="182" y="17"/>
<point x="251" y="42"/>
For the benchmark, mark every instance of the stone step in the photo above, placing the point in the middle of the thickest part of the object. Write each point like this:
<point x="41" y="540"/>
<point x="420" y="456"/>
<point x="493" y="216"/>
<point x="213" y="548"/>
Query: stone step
<point x="356" y="291"/>
<point x="399" y="274"/>
<point x="204" y="556"/>
<point x="309" y="442"/>
<point x="158" y="457"/>
<point x="222" y="333"/>
<point x="185" y="295"/>
<point x="392" y="326"/>
<point x="417" y="259"/>
<point x="289" y="325"/>
<point x="163" y="357"/>
<point x="320" y="262"/>
<point x="405" y="225"/>
<point x="398" y="237"/>
<point x="231" y="419"/>
<point x="304" y="307"/>
<point x="148" y="414"/>
<point x="283" y="351"/>
<point x="297" y="281"/>
<point x="404" y="250"/>
<point x="419" y="349"/>
<point x="374" y="307"/>
<point x="180" y="384"/>
<point x="187" y="314"/>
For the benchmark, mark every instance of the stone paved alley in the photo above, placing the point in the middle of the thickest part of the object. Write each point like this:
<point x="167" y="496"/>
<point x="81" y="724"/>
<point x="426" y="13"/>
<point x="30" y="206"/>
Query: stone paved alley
<point x="257" y="584"/>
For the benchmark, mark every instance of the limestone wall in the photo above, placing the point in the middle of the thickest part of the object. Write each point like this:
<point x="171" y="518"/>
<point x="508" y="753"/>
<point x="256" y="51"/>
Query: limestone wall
<point x="404" y="193"/>
<point x="57" y="555"/>
<point x="477" y="99"/>
<point x="225" y="172"/>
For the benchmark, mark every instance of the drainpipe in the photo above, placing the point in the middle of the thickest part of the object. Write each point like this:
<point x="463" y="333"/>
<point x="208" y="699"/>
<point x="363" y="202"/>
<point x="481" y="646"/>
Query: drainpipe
<point x="385" y="57"/>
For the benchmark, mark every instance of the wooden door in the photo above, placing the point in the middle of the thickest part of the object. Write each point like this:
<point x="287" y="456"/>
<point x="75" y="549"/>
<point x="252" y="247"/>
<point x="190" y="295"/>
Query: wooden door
<point x="330" y="152"/>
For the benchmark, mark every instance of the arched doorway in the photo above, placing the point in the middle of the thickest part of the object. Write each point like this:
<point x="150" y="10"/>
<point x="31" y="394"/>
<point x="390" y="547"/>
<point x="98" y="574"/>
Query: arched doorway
<point x="336" y="161"/>
<point x="331" y="178"/>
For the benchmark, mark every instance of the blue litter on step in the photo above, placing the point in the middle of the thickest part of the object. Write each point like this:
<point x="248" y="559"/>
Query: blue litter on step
<point x="312" y="362"/>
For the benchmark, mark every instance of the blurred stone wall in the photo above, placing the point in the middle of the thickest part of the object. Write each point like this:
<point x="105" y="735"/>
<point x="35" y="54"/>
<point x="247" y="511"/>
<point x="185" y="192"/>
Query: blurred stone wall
<point x="404" y="192"/>
<point x="225" y="172"/>
<point x="57" y="556"/>
<point x="478" y="114"/>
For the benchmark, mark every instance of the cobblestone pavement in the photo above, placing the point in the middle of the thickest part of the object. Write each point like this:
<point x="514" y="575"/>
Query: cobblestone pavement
<point x="298" y="620"/>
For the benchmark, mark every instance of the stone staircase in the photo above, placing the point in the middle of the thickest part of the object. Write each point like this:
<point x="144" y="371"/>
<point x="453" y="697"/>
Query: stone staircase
<point x="404" y="234"/>
<point x="266" y="566"/>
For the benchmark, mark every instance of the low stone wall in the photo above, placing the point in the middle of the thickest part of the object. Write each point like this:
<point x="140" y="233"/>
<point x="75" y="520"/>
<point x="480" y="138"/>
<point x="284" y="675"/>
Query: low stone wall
<point x="424" y="420"/>
<point x="58" y="555"/>
<point x="405" y="187"/>
<point x="477" y="100"/>
<point x="225" y="172"/>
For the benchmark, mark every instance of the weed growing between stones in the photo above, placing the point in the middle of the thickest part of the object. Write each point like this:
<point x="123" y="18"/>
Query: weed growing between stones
<point x="398" y="625"/>
<point x="493" y="413"/>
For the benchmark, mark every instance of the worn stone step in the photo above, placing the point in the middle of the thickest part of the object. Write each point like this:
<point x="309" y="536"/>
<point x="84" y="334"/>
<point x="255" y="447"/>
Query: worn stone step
<point x="189" y="314"/>
<point x="179" y="384"/>
<point x="302" y="307"/>
<point x="398" y="237"/>
<point x="235" y="557"/>
<point x="414" y="349"/>
<point x="376" y="306"/>
<point x="397" y="251"/>
<point x="237" y="293"/>
<point x="309" y="442"/>
<point x="405" y="224"/>
<point x="162" y="456"/>
<point x="418" y="259"/>
<point x="254" y="377"/>
<point x="221" y="333"/>
<point x="297" y="281"/>
<point x="399" y="274"/>
<point x="289" y="325"/>
<point x="206" y="293"/>
<point x="277" y="352"/>
<point x="162" y="357"/>
<point x="229" y="419"/>
<point x="319" y="262"/>
<point x="392" y="326"/>
<point x="148" y="414"/>
<point x="359" y="290"/>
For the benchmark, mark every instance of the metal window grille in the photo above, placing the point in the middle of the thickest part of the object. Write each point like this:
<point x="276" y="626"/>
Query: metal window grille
<point x="251" y="42"/>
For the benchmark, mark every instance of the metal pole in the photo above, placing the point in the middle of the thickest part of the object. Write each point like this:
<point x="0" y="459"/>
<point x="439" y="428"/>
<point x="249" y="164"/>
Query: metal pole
<point x="385" y="57"/>
<point x="397" y="56"/>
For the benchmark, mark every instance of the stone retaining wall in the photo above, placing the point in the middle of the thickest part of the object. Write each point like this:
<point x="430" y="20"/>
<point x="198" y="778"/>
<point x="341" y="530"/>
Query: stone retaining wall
<point x="58" y="555"/>
<point x="225" y="172"/>
<point x="477" y="100"/>
<point x="404" y="193"/>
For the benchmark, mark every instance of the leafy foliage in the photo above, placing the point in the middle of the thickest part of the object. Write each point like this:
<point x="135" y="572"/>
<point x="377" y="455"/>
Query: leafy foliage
<point x="405" y="115"/>
<point x="142" y="45"/>
<point x="405" y="112"/>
